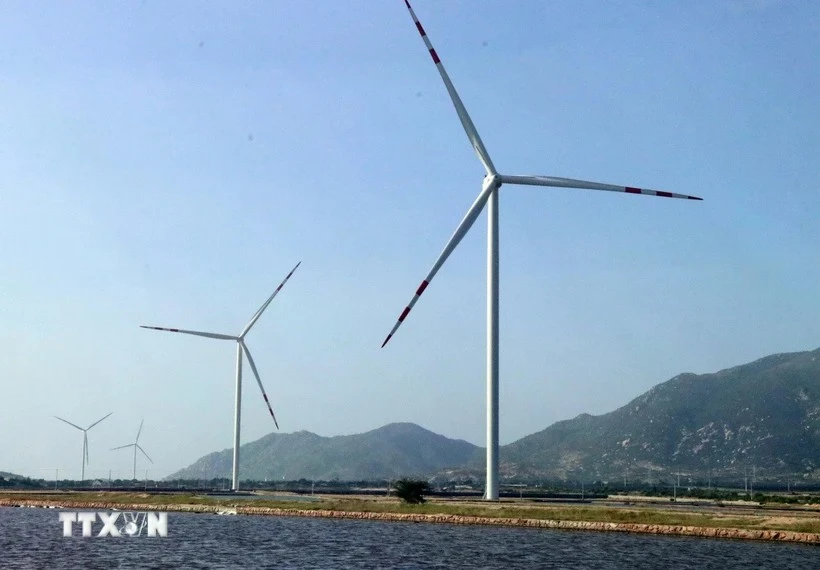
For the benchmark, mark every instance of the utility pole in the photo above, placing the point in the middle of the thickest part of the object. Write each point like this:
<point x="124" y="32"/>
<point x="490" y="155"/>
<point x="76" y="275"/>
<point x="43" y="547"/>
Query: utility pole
<point x="751" y="485"/>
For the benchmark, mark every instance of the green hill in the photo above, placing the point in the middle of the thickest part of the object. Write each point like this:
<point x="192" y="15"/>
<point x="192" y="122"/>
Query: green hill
<point x="391" y="451"/>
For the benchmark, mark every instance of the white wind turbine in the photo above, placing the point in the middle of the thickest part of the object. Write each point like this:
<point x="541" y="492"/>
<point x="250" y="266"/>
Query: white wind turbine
<point x="136" y="445"/>
<point x="489" y="195"/>
<point x="85" y="440"/>
<point x="240" y="348"/>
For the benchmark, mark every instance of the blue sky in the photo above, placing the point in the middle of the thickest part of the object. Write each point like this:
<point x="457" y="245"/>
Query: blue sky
<point x="168" y="163"/>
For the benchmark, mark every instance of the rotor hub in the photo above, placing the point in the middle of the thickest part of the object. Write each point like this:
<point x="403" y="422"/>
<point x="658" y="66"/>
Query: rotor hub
<point x="492" y="182"/>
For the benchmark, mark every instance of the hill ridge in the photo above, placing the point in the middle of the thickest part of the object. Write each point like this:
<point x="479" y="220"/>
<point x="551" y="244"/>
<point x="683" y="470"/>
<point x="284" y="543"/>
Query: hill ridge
<point x="763" y="414"/>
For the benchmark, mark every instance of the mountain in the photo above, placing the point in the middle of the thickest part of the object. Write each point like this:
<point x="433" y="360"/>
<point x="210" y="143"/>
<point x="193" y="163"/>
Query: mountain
<point x="391" y="451"/>
<point x="763" y="415"/>
<point x="6" y="475"/>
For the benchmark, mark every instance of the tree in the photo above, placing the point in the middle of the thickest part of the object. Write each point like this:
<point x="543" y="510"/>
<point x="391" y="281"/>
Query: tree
<point x="411" y="491"/>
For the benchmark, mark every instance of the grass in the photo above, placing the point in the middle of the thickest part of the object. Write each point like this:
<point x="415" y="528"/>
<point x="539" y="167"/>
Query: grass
<point x="692" y="516"/>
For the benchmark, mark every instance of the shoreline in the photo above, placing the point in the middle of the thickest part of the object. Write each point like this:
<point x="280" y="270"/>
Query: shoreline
<point x="635" y="528"/>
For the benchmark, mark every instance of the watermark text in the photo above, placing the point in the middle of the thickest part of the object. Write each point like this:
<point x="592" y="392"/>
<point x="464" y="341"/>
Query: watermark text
<point x="117" y="523"/>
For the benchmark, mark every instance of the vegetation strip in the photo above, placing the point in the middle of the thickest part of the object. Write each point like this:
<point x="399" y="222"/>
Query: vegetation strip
<point x="642" y="528"/>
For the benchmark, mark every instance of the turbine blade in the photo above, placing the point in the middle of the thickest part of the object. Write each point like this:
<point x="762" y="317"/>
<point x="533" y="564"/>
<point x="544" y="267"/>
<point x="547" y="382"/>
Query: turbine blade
<point x="462" y="229"/>
<point x="259" y="381"/>
<point x="98" y="421"/>
<point x="85" y="446"/>
<point x="145" y="454"/>
<point x="195" y="333"/>
<point x="554" y="182"/>
<point x="69" y="423"/>
<point x="466" y="122"/>
<point x="264" y="306"/>
<point x="123" y="446"/>
<point x="139" y="431"/>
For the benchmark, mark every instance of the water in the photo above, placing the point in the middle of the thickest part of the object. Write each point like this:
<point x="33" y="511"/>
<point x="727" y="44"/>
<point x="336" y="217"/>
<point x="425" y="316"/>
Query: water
<point x="32" y="538"/>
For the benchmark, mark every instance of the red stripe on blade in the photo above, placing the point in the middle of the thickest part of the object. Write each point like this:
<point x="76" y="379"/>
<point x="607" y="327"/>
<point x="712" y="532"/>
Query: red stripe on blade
<point x="630" y="190"/>
<point x="421" y="30"/>
<point x="435" y="56"/>
<point x="387" y="339"/>
<point x="663" y="194"/>
<point x="422" y="287"/>
<point x="404" y="314"/>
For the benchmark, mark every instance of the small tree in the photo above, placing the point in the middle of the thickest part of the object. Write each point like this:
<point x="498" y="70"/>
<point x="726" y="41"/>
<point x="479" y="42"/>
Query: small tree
<point x="411" y="491"/>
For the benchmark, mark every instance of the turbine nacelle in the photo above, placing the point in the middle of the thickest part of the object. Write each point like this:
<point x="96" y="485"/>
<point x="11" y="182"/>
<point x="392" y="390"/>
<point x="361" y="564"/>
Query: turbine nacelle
<point x="136" y="445"/>
<point x="491" y="182"/>
<point x="242" y="349"/>
<point x="85" y="439"/>
<point x="489" y="198"/>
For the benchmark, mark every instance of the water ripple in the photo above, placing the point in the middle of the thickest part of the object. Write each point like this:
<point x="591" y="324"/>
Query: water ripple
<point x="32" y="538"/>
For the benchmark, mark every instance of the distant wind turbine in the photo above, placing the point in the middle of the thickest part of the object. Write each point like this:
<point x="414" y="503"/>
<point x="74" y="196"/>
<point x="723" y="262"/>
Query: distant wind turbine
<point x="489" y="196"/>
<point x="85" y="440"/>
<point x="136" y="445"/>
<point x="240" y="348"/>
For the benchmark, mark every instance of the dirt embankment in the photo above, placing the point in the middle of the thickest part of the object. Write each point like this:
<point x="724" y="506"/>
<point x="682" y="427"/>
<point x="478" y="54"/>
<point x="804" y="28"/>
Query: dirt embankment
<point x="672" y="530"/>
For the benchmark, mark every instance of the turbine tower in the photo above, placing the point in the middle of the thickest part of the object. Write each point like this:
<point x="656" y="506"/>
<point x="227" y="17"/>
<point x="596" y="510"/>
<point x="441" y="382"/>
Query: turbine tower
<point x="240" y="348"/>
<point x="489" y="197"/>
<point x="136" y="445"/>
<point x="85" y="440"/>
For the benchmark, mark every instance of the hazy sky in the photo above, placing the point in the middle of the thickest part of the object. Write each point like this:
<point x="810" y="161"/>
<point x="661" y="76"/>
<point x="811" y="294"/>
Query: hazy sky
<point x="167" y="163"/>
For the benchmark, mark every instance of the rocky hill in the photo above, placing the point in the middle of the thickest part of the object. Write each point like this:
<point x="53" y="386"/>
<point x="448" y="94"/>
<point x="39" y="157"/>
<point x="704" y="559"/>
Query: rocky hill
<point x="762" y="416"/>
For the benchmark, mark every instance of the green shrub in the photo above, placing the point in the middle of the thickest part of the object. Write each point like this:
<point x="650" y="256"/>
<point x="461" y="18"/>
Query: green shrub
<point x="411" y="490"/>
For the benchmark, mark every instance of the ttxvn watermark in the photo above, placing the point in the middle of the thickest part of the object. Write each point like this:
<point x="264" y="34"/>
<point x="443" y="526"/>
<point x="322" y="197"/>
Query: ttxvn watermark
<point x="117" y="523"/>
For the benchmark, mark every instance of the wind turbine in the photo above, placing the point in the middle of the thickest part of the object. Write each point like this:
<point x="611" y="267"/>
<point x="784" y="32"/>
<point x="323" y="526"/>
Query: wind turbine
<point x="136" y="445"/>
<point x="85" y="440"/>
<point x="240" y="348"/>
<point x="489" y="196"/>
